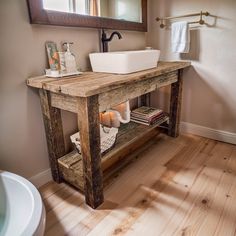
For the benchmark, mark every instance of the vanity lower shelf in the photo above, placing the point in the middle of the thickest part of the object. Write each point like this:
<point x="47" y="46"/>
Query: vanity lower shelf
<point x="131" y="137"/>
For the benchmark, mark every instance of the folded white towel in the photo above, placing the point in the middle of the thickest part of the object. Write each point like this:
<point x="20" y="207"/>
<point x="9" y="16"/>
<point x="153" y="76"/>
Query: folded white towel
<point x="180" y="37"/>
<point x="116" y="115"/>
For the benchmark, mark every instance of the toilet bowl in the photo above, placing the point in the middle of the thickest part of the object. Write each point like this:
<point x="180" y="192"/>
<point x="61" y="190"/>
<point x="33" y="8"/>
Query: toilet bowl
<point x="21" y="208"/>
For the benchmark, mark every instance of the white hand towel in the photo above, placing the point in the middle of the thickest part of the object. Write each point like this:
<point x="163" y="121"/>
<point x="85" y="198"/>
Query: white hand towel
<point x="180" y="37"/>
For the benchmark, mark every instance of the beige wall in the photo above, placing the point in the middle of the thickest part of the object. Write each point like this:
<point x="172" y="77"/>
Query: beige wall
<point x="22" y="139"/>
<point x="209" y="86"/>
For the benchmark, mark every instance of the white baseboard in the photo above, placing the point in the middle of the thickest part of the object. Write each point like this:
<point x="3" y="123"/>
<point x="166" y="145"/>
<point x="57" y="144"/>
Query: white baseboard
<point x="219" y="135"/>
<point x="41" y="178"/>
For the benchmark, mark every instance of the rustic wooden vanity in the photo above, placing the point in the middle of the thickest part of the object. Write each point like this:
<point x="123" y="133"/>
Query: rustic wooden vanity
<point x="87" y="95"/>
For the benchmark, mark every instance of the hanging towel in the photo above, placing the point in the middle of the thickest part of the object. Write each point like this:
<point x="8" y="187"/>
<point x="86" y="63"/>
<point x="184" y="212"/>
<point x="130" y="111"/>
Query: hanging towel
<point x="180" y="37"/>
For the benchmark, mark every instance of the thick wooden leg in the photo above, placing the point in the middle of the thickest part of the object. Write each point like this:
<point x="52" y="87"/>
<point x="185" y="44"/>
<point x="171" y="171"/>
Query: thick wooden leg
<point x="145" y="99"/>
<point x="88" y="120"/>
<point x="54" y="133"/>
<point x="175" y="106"/>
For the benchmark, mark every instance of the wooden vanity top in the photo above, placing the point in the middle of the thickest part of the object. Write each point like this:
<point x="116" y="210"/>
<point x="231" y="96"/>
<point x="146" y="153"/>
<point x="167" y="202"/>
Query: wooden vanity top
<point x="92" y="83"/>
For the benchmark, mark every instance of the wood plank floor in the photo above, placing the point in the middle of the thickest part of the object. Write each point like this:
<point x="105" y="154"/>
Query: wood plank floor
<point x="184" y="186"/>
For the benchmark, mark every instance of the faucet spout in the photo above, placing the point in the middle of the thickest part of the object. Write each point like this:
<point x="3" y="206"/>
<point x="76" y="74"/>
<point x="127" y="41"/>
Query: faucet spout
<point x="106" y="40"/>
<point x="113" y="34"/>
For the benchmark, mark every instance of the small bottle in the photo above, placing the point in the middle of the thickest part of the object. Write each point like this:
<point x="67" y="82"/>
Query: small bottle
<point x="70" y="61"/>
<point x="62" y="62"/>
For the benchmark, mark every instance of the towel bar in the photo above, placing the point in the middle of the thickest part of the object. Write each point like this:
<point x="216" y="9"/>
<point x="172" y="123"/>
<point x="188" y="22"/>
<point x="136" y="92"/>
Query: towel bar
<point x="201" y="21"/>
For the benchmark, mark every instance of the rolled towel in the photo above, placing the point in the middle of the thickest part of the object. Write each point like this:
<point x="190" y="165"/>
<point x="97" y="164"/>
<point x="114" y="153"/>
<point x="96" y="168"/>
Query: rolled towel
<point x="180" y="37"/>
<point x="116" y="115"/>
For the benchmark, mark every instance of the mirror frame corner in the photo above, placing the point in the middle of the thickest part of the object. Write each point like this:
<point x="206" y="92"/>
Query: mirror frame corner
<point x="38" y="15"/>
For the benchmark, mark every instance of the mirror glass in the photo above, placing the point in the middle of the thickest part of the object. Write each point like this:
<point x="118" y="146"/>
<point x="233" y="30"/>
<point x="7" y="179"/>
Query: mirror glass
<point x="127" y="10"/>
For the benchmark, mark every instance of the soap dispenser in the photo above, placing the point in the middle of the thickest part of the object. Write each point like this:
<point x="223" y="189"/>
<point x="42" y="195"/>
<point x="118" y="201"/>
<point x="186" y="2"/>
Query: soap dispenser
<point x="70" y="61"/>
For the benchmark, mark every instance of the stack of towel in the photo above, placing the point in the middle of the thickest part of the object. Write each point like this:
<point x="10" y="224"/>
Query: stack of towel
<point x="116" y="115"/>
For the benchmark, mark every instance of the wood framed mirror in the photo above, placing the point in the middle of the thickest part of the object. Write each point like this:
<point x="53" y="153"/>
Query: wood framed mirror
<point x="88" y="13"/>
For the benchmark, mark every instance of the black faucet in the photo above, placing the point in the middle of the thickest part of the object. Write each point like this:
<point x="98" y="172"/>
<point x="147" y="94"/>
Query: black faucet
<point x="106" y="40"/>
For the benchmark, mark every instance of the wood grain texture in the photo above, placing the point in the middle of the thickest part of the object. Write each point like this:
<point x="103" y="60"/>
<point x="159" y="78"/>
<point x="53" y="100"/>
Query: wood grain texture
<point x="116" y="96"/>
<point x="54" y="133"/>
<point x="91" y="83"/>
<point x="38" y="15"/>
<point x="89" y="126"/>
<point x="182" y="186"/>
<point x="87" y="95"/>
<point x="130" y="91"/>
<point x="145" y="100"/>
<point x="175" y="106"/>
<point x="64" y="102"/>
<point x="130" y="139"/>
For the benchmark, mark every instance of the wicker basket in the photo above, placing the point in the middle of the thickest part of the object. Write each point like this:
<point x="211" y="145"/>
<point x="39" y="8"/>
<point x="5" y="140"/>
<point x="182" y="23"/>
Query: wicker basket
<point x="108" y="139"/>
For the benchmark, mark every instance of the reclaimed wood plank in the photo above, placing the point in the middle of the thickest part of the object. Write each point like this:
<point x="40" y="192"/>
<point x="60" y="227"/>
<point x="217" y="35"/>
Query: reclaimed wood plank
<point x="116" y="81"/>
<point x="128" y="143"/>
<point x="37" y="82"/>
<point x="54" y="133"/>
<point x="71" y="167"/>
<point x="128" y="92"/>
<point x="175" y="106"/>
<point x="64" y="102"/>
<point x="145" y="100"/>
<point x="88" y="79"/>
<point x="130" y="137"/>
<point x="91" y="83"/>
<point x="89" y="126"/>
<point x="117" y="96"/>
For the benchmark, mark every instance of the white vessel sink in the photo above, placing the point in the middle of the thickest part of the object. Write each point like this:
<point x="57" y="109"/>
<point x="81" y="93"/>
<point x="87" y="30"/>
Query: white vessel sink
<point x="124" y="62"/>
